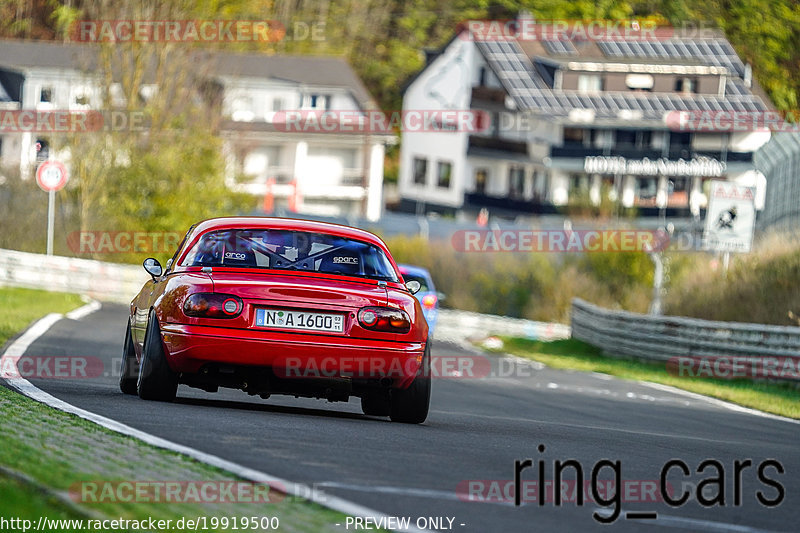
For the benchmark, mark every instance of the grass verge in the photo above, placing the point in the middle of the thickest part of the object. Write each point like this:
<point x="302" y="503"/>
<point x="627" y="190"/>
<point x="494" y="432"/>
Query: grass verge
<point x="777" y="398"/>
<point x="48" y="458"/>
<point x="20" y="307"/>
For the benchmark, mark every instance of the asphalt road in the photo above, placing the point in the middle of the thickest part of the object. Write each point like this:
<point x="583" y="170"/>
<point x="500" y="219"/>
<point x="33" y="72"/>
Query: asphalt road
<point x="476" y="430"/>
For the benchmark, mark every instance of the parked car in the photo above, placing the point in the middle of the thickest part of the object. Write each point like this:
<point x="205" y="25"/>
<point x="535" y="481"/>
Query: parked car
<point x="426" y="295"/>
<point x="281" y="306"/>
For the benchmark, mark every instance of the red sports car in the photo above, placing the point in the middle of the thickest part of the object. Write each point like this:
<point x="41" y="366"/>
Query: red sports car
<point x="281" y="306"/>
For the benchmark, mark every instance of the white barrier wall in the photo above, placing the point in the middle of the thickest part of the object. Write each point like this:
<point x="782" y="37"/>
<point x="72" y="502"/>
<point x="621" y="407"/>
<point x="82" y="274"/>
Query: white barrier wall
<point x="456" y="326"/>
<point x="108" y="282"/>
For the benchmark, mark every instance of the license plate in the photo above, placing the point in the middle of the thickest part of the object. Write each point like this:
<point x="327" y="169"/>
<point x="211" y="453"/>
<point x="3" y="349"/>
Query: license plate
<point x="281" y="318"/>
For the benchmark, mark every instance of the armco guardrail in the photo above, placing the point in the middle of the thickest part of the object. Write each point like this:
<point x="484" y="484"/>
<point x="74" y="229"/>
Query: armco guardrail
<point x="120" y="283"/>
<point x="667" y="337"/>
<point x="456" y="326"/>
<point x="102" y="281"/>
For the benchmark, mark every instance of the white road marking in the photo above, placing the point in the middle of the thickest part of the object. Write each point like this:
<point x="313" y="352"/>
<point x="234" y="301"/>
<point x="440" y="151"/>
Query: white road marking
<point x="717" y="402"/>
<point x="21" y="344"/>
<point x="85" y="310"/>
<point x="404" y="491"/>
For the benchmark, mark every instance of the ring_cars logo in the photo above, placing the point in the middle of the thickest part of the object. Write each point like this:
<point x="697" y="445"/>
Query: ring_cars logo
<point x="234" y="255"/>
<point x="348" y="260"/>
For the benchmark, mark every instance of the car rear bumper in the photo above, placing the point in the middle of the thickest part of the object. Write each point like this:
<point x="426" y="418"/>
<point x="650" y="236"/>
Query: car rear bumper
<point x="292" y="355"/>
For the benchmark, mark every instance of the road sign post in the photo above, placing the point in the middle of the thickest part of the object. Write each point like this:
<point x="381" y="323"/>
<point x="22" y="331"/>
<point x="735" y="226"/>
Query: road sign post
<point x="730" y="218"/>
<point x="51" y="177"/>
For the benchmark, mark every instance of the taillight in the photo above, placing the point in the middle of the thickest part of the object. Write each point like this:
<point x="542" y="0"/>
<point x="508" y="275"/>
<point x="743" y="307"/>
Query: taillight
<point x="429" y="301"/>
<point x="212" y="305"/>
<point x="384" y="319"/>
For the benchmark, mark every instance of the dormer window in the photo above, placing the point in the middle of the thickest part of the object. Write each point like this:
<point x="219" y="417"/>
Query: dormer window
<point x="590" y="83"/>
<point x="686" y="85"/>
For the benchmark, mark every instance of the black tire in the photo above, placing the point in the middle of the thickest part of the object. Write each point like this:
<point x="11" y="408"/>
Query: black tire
<point x="129" y="371"/>
<point x="376" y="404"/>
<point x="410" y="406"/>
<point x="157" y="381"/>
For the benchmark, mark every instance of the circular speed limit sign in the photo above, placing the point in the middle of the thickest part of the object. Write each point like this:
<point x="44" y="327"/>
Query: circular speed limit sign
<point x="51" y="176"/>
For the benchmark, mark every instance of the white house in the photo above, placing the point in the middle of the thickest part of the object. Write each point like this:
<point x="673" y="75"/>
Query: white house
<point x="579" y="118"/>
<point x="332" y="173"/>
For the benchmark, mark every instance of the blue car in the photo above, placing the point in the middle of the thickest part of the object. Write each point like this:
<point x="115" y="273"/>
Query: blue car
<point x="427" y="294"/>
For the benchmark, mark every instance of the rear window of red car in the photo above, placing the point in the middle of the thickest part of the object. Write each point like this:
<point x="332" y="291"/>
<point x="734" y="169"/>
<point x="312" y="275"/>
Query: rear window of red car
<point x="290" y="250"/>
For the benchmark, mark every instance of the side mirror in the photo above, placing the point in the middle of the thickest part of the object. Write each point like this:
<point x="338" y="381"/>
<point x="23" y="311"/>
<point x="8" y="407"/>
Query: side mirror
<point x="153" y="267"/>
<point x="169" y="263"/>
<point x="413" y="286"/>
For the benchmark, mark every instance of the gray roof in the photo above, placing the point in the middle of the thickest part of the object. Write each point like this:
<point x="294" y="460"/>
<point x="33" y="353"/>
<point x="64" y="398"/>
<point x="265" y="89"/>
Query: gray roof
<point x="532" y="90"/>
<point x="23" y="55"/>
<point x="311" y="70"/>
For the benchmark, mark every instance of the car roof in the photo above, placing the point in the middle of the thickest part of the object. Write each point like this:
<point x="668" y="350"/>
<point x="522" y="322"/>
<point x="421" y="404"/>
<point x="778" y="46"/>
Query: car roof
<point x="289" y="224"/>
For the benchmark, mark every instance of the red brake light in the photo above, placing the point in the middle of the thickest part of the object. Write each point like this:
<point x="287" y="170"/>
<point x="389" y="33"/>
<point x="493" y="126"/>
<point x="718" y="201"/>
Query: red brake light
<point x="384" y="319"/>
<point x="429" y="300"/>
<point x="212" y="305"/>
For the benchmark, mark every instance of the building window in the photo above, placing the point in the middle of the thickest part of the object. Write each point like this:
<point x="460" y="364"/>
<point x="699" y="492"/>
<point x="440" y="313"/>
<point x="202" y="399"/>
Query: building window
<point x="646" y="190"/>
<point x="482" y="77"/>
<point x="644" y="139"/>
<point x="318" y="101"/>
<point x="590" y="83"/>
<point x="82" y="99"/>
<point x="46" y="94"/>
<point x="686" y="85"/>
<point x="420" y="171"/>
<point x="680" y="144"/>
<point x="42" y="150"/>
<point x="516" y="182"/>
<point x="573" y="136"/>
<point x="277" y="104"/>
<point x="444" y="173"/>
<point x="626" y="138"/>
<point x="481" y="177"/>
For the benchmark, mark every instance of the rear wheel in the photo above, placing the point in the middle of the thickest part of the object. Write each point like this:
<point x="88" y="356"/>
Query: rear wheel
<point x="411" y="405"/>
<point x="376" y="404"/>
<point x="129" y="372"/>
<point x="157" y="381"/>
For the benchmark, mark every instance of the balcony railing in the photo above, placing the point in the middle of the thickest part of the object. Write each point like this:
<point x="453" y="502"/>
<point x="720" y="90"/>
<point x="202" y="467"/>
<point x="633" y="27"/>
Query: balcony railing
<point x="638" y="153"/>
<point x="497" y="143"/>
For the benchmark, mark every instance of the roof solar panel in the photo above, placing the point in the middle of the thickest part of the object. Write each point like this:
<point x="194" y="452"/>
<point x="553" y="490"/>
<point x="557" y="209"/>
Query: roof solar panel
<point x="525" y="84"/>
<point x="559" y="47"/>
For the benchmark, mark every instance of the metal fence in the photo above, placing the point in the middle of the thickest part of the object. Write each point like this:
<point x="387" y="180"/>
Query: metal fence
<point x="668" y="338"/>
<point x="112" y="282"/>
